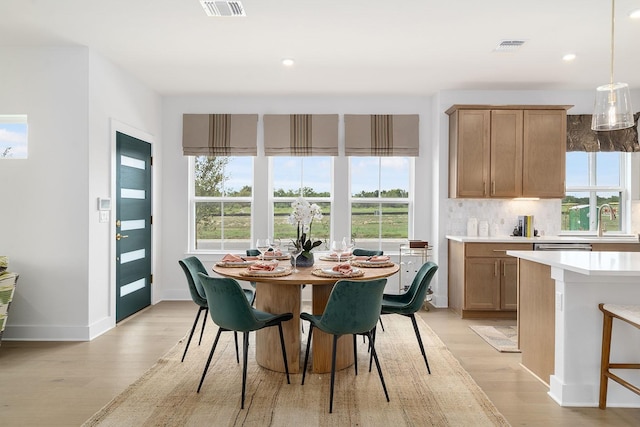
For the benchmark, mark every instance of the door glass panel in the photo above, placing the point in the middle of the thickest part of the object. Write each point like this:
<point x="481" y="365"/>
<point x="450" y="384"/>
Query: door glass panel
<point x="132" y="162"/>
<point x="132" y="287"/>
<point x="128" y="193"/>
<point x="132" y="256"/>
<point x="137" y="224"/>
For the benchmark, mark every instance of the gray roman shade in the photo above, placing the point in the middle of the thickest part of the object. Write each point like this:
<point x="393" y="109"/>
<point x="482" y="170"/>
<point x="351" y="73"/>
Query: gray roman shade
<point x="301" y="134"/>
<point x="580" y="137"/>
<point x="381" y="135"/>
<point x="220" y="134"/>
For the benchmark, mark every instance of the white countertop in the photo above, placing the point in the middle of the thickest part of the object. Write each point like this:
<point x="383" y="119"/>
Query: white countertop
<point x="547" y="239"/>
<point x="584" y="262"/>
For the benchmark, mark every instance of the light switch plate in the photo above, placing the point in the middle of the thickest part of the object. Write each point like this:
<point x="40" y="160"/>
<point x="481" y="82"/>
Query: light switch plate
<point x="104" y="216"/>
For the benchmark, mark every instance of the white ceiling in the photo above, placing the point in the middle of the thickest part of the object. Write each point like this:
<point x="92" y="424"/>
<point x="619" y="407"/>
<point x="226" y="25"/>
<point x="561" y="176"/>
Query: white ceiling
<point x="347" y="47"/>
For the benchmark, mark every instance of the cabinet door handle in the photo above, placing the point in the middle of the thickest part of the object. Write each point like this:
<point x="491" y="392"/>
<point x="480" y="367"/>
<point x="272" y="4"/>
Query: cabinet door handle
<point x="495" y="268"/>
<point x="502" y="251"/>
<point x="484" y="188"/>
<point x="493" y="188"/>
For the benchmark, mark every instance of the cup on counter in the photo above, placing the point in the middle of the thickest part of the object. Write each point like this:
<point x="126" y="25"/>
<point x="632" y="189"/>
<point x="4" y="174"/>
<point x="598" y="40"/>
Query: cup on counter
<point x="483" y="229"/>
<point x="472" y="227"/>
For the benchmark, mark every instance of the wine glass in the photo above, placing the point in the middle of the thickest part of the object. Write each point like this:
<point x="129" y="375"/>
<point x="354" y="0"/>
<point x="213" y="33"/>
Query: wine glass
<point x="339" y="246"/>
<point x="294" y="251"/>
<point x="275" y="244"/>
<point x="263" y="246"/>
<point x="351" y="244"/>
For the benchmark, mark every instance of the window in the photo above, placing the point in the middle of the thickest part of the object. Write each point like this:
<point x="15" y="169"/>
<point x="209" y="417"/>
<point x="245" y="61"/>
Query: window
<point x="309" y="177"/>
<point x="380" y="201"/>
<point x="221" y="202"/>
<point x="595" y="181"/>
<point x="13" y="136"/>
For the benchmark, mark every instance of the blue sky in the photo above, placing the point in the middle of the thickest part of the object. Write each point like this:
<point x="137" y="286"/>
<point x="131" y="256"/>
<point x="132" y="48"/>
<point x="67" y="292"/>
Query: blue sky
<point x="13" y="135"/>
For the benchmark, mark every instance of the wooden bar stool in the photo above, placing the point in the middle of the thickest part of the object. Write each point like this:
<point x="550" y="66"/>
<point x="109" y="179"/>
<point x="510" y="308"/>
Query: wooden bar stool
<point x="626" y="313"/>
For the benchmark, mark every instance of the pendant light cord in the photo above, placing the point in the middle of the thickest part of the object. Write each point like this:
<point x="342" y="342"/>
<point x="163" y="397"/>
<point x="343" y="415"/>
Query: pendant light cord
<point x="613" y="8"/>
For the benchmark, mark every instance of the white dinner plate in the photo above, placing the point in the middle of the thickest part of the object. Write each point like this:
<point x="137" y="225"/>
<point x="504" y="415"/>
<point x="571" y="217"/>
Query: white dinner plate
<point x="261" y="272"/>
<point x="235" y="263"/>
<point x="337" y="273"/>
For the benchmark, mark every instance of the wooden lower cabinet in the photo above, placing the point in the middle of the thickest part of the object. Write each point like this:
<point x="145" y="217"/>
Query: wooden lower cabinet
<point x="483" y="279"/>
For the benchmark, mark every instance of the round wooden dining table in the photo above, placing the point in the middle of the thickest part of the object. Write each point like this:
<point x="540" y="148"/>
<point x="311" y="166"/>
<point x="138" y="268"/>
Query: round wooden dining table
<point x="282" y="294"/>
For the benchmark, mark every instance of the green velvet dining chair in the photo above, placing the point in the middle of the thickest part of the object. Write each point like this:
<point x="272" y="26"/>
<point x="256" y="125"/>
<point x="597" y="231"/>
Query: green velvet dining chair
<point x="368" y="252"/>
<point x="191" y="267"/>
<point x="408" y="303"/>
<point x="353" y="308"/>
<point x="230" y="310"/>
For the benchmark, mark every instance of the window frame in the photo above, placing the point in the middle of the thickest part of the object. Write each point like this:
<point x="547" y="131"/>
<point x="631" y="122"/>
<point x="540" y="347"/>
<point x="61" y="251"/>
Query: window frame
<point x="391" y="244"/>
<point x="194" y="200"/>
<point x="593" y="189"/>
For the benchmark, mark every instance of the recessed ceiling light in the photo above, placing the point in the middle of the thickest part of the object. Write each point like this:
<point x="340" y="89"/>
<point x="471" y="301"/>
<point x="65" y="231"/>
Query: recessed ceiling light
<point x="569" y="57"/>
<point x="287" y="62"/>
<point x="635" y="14"/>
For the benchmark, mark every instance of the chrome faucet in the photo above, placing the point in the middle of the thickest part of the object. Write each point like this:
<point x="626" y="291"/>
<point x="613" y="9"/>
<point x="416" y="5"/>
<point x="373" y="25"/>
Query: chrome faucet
<point x="612" y="216"/>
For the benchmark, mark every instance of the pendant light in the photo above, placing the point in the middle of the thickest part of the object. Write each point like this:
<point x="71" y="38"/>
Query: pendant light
<point x="612" y="109"/>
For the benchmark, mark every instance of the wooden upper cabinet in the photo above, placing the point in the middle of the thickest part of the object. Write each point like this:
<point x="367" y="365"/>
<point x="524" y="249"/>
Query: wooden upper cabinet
<point x="507" y="151"/>
<point x="545" y="149"/>
<point x="470" y="156"/>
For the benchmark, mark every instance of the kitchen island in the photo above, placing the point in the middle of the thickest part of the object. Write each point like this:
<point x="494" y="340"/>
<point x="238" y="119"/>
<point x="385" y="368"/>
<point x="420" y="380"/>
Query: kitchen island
<point x="560" y="326"/>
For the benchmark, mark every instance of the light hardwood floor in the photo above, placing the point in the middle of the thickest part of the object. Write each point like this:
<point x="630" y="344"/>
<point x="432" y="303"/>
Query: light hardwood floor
<point x="63" y="384"/>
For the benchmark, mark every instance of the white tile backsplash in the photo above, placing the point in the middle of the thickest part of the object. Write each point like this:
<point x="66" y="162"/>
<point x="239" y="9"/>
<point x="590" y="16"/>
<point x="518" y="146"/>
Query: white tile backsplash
<point x="502" y="215"/>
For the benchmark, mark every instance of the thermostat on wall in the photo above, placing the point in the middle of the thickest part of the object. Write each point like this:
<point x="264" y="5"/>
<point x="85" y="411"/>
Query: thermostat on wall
<point x="104" y="204"/>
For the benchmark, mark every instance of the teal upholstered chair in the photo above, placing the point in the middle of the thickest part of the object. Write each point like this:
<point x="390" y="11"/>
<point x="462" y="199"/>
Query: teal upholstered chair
<point x="366" y="252"/>
<point x="191" y="267"/>
<point x="410" y="302"/>
<point x="353" y="308"/>
<point x="230" y="310"/>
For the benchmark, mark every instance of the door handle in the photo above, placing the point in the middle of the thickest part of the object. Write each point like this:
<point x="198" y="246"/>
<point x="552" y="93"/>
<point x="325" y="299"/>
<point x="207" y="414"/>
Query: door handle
<point x="121" y="236"/>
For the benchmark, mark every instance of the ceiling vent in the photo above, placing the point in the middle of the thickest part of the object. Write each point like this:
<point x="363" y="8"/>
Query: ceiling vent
<point x="509" y="45"/>
<point x="223" y="8"/>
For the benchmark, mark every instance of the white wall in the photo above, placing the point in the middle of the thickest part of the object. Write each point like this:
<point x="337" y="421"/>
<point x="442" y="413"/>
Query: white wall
<point x="48" y="218"/>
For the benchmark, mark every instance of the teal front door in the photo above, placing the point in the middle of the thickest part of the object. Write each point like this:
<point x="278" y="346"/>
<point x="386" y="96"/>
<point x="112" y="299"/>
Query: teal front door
<point x="133" y="225"/>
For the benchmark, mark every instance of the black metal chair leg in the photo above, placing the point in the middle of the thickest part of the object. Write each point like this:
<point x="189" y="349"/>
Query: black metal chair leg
<point x="235" y="337"/>
<point x="284" y="352"/>
<point x="372" y="339"/>
<point x="375" y="357"/>
<point x="245" y="350"/>
<point x="306" y="354"/>
<point x="415" y="328"/>
<point x="333" y="371"/>
<point x="204" y="322"/>
<point x="381" y="324"/>
<point x="206" y="367"/>
<point x="193" y="328"/>
<point x="355" y="354"/>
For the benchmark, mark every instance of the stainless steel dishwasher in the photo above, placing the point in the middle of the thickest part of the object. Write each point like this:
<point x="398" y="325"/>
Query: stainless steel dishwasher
<point x="562" y="246"/>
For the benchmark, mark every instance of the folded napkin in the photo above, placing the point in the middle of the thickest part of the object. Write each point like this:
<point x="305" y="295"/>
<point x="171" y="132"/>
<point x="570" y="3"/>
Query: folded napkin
<point x="342" y="255"/>
<point x="344" y="269"/>
<point x="273" y="253"/>
<point x="375" y="258"/>
<point x="231" y="258"/>
<point x="263" y="266"/>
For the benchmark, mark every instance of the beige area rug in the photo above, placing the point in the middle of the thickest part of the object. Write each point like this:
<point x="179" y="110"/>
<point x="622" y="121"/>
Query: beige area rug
<point x="166" y="394"/>
<point x="502" y="338"/>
